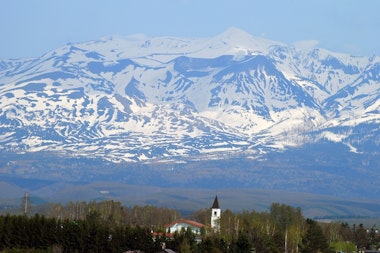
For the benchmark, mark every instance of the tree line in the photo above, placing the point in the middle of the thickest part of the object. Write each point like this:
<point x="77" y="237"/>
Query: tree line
<point x="108" y="226"/>
<point x="20" y="233"/>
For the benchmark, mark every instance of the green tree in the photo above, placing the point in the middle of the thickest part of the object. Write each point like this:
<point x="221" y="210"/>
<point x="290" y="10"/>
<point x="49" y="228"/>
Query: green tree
<point x="184" y="246"/>
<point x="342" y="246"/>
<point x="361" y="237"/>
<point x="314" y="240"/>
<point x="373" y="238"/>
<point x="242" y="244"/>
<point x="288" y="220"/>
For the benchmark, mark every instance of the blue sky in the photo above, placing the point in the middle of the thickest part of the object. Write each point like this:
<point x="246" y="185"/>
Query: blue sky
<point x="29" y="28"/>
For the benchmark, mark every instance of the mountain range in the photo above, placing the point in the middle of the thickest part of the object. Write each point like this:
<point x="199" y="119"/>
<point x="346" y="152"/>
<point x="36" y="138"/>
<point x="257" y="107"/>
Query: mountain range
<point x="179" y="101"/>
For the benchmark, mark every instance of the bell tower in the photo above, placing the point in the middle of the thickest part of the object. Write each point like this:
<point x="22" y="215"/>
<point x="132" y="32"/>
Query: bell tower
<point x="215" y="215"/>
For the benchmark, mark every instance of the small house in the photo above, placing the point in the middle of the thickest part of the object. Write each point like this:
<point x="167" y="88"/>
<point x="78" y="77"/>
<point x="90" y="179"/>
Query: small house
<point x="178" y="226"/>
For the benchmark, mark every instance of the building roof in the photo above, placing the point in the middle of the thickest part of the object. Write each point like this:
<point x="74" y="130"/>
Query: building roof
<point x="216" y="203"/>
<point x="189" y="222"/>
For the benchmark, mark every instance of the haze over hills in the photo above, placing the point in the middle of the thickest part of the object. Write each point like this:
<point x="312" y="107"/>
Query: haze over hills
<point x="232" y="110"/>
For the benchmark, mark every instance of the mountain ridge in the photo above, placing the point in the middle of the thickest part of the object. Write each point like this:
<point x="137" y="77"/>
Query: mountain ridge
<point x="165" y="88"/>
<point x="230" y="111"/>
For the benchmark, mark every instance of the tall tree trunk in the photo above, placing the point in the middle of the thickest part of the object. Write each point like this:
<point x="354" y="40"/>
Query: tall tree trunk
<point x="286" y="241"/>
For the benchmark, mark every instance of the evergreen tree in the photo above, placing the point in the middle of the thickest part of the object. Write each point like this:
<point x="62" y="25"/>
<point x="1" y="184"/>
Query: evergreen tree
<point x="6" y="232"/>
<point x="314" y="240"/>
<point x="242" y="244"/>
<point x="184" y="246"/>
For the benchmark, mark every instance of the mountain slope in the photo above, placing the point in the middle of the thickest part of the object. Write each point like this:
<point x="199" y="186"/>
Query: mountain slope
<point x="135" y="99"/>
<point x="230" y="111"/>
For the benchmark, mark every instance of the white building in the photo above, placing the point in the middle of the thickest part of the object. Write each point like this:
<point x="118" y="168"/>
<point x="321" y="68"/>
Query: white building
<point x="180" y="225"/>
<point x="177" y="226"/>
<point x="215" y="215"/>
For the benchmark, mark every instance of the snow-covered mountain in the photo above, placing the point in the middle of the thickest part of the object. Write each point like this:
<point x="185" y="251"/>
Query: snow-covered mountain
<point x="144" y="99"/>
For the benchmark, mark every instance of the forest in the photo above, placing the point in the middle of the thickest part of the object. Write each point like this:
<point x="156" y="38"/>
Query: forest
<point x="108" y="226"/>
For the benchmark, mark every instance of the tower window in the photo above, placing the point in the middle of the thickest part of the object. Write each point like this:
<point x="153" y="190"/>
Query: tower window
<point x="215" y="212"/>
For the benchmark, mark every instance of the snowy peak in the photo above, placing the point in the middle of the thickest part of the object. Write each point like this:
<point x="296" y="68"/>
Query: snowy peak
<point x="232" y="94"/>
<point x="232" y="41"/>
<point x="240" y="40"/>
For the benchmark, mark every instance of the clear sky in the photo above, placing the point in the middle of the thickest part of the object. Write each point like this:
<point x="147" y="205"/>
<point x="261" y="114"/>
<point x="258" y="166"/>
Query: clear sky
<point x="29" y="28"/>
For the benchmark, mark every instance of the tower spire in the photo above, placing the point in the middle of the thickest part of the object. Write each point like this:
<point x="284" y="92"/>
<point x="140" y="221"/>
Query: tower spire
<point x="215" y="215"/>
<point x="216" y="203"/>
